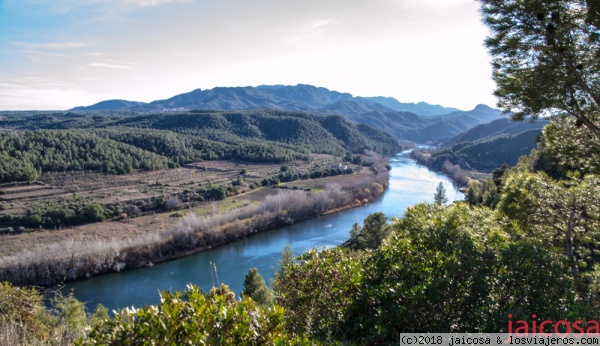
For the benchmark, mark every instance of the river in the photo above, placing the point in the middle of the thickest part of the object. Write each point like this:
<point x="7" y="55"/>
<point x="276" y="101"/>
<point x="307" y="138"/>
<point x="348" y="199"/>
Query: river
<point x="410" y="183"/>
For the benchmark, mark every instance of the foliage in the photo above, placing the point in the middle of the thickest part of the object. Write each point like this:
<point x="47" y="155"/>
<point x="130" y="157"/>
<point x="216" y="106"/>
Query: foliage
<point x="486" y="154"/>
<point x="94" y="212"/>
<point x="317" y="294"/>
<point x="369" y="236"/>
<point x="26" y="155"/>
<point x="287" y="258"/>
<point x="484" y="192"/>
<point x="453" y="269"/>
<point x="546" y="57"/>
<point x="288" y="129"/>
<point x="25" y="320"/>
<point x="195" y="318"/>
<point x="442" y="269"/>
<point x="255" y="288"/>
<point x="439" y="197"/>
<point x="564" y="214"/>
<point x="566" y="147"/>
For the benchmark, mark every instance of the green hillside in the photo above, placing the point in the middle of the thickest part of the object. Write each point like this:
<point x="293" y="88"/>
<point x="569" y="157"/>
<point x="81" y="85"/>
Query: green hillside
<point x="487" y="154"/>
<point x="117" y="143"/>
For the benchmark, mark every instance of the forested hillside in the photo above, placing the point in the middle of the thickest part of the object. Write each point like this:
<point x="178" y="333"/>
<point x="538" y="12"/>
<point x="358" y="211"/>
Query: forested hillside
<point x="496" y="128"/>
<point x="488" y="153"/>
<point x="117" y="144"/>
<point x="484" y="147"/>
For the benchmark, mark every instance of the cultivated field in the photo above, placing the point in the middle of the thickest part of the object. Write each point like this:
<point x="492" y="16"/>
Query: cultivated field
<point x="16" y="199"/>
<point x="109" y="189"/>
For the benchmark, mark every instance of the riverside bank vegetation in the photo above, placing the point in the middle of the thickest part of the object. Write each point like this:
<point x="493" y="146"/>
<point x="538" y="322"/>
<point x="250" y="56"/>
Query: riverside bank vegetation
<point x="70" y="259"/>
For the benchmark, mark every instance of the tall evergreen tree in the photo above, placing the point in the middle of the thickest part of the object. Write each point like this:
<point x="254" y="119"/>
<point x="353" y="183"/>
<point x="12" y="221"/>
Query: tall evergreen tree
<point x="440" y="195"/>
<point x="255" y="288"/>
<point x="546" y="58"/>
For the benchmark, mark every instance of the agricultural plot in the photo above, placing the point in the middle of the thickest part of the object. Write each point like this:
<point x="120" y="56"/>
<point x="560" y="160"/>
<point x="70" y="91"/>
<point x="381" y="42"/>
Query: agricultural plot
<point x="66" y="187"/>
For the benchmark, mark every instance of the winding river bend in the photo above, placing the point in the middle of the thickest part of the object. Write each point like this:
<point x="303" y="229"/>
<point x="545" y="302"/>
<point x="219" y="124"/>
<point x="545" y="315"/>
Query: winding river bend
<point x="409" y="184"/>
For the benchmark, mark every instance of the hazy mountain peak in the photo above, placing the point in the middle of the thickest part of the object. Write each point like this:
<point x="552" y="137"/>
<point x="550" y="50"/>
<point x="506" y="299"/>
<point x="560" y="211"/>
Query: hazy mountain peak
<point x="110" y="105"/>
<point x="421" y="108"/>
<point x="482" y="107"/>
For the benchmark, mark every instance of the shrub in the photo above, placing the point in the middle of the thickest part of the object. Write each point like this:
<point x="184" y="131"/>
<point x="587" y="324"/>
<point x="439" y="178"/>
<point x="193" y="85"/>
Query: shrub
<point x="195" y="318"/>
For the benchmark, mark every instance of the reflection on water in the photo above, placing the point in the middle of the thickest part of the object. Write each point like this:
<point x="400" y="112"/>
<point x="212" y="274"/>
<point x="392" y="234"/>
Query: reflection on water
<point x="409" y="184"/>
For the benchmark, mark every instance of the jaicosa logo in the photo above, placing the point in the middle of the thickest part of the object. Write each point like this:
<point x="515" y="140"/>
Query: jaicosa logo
<point x="578" y="328"/>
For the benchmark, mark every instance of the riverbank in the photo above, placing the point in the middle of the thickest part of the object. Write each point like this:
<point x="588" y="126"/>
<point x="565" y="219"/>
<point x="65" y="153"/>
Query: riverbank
<point x="459" y="176"/>
<point x="258" y="211"/>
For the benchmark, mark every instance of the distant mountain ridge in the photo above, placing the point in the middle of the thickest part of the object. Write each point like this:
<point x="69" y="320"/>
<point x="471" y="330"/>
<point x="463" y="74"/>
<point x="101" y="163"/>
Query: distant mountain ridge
<point x="423" y="123"/>
<point x="110" y="105"/>
<point x="299" y="97"/>
<point x="421" y="108"/>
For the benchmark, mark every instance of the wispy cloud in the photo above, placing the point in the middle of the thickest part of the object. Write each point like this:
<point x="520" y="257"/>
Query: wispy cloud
<point x="48" y="93"/>
<point x="62" y="6"/>
<point x="146" y="3"/>
<point x="36" y="55"/>
<point x="309" y="29"/>
<point x="315" y="24"/>
<point x="50" y="45"/>
<point x="120" y="65"/>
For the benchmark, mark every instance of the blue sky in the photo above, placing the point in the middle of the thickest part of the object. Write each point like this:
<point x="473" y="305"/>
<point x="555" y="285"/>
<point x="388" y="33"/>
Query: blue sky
<point x="64" y="53"/>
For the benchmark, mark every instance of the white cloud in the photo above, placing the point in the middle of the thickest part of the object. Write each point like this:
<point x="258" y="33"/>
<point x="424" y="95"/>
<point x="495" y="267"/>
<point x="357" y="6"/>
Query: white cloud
<point x="318" y="23"/>
<point x="36" y="55"/>
<point x="64" y="6"/>
<point x="306" y="30"/>
<point x="48" y="94"/>
<point x="120" y="65"/>
<point x="145" y="3"/>
<point x="50" y="45"/>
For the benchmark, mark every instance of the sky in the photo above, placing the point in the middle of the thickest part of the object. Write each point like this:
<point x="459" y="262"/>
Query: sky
<point x="58" y="54"/>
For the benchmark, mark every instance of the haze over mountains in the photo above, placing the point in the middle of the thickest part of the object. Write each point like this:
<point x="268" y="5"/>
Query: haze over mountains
<point x="420" y="122"/>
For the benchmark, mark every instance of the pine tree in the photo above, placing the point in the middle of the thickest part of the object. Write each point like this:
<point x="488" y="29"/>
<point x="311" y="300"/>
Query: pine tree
<point x="255" y="288"/>
<point x="375" y="229"/>
<point x="545" y="58"/>
<point x="287" y="258"/>
<point x="440" y="195"/>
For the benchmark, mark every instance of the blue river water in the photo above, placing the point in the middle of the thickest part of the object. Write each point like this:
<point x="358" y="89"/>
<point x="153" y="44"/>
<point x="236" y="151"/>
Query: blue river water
<point x="410" y="183"/>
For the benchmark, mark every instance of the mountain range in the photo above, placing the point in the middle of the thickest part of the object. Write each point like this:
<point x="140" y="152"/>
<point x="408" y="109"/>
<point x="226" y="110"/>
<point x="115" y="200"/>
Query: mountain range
<point x="420" y="122"/>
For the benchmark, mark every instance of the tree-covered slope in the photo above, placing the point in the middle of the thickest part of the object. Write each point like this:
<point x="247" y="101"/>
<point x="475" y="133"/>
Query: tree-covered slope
<point x="495" y="128"/>
<point x="117" y="144"/>
<point x="332" y="134"/>
<point x="24" y="156"/>
<point x="487" y="154"/>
